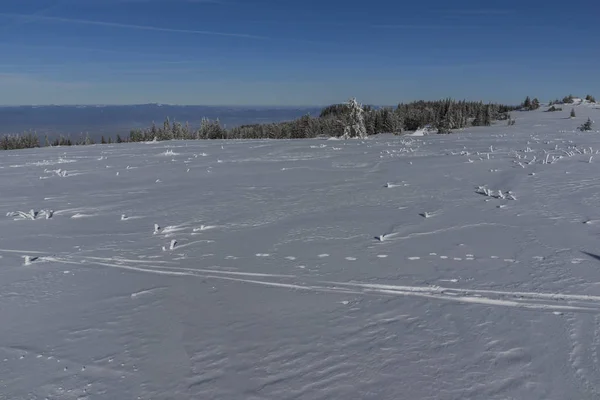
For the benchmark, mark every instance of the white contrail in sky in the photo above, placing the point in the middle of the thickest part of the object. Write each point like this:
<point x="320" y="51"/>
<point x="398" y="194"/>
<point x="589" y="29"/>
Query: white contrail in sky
<point x="129" y="26"/>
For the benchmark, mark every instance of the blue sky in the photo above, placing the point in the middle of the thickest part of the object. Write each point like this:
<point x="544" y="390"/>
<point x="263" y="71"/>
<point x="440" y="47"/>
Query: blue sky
<point x="294" y="52"/>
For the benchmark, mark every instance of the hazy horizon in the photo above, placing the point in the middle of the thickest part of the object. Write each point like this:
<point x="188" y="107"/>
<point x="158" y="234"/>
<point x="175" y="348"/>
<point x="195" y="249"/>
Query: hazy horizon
<point x="98" y="120"/>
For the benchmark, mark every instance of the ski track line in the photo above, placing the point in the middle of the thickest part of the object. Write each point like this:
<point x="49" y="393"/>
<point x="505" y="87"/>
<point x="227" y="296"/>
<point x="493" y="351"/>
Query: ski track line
<point x="488" y="301"/>
<point x="394" y="236"/>
<point x="23" y="251"/>
<point x="126" y="260"/>
<point x="189" y="271"/>
<point x="183" y="245"/>
<point x="147" y="291"/>
<point x="430" y="292"/>
<point x="441" y="290"/>
<point x="226" y="278"/>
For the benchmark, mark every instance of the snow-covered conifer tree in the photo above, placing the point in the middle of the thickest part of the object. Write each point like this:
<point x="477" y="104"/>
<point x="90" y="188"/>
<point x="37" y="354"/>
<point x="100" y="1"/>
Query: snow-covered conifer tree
<point x="356" y="122"/>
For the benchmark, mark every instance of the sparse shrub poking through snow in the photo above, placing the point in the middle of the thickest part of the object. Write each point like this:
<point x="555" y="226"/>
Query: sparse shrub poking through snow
<point x="573" y="115"/>
<point x="31" y="215"/>
<point x="356" y="124"/>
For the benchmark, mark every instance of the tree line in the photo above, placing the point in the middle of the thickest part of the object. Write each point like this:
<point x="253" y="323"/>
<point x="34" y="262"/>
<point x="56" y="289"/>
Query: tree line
<point x="442" y="116"/>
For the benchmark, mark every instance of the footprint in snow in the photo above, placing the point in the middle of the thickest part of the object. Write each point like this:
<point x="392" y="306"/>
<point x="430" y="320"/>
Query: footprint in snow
<point x="291" y="258"/>
<point x="414" y="258"/>
<point x="323" y="255"/>
<point x="262" y="255"/>
<point x="351" y="258"/>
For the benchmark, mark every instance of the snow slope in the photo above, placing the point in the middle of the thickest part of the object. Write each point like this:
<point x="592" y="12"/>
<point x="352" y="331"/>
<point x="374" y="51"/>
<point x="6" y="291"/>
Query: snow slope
<point x="389" y="268"/>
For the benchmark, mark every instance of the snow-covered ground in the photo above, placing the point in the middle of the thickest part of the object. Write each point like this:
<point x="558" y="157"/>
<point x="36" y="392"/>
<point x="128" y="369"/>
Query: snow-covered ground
<point x="463" y="266"/>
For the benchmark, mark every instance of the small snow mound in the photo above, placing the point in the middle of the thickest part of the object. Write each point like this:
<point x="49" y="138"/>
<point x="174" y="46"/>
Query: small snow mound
<point x="391" y="185"/>
<point x="421" y="132"/>
<point x="79" y="215"/>
<point x="29" y="260"/>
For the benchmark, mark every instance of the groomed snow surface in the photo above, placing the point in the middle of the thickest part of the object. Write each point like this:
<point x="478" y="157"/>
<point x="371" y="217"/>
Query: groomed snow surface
<point x="463" y="266"/>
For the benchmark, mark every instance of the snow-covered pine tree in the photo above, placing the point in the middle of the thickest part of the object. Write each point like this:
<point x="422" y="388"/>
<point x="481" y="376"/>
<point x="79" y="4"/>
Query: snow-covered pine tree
<point x="177" y="130"/>
<point x="187" y="131"/>
<point x="356" y="122"/>
<point x="154" y="131"/>
<point x="587" y="126"/>
<point x="487" y="115"/>
<point x="204" y="129"/>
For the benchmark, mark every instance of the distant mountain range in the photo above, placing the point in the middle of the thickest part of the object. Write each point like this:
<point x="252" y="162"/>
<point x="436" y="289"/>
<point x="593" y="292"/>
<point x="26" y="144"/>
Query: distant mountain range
<point x="98" y="120"/>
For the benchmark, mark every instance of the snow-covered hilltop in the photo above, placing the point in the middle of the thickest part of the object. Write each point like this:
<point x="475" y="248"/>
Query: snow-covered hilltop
<point x="443" y="266"/>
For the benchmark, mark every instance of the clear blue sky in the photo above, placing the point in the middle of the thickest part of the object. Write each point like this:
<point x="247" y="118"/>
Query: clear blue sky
<point x="295" y="52"/>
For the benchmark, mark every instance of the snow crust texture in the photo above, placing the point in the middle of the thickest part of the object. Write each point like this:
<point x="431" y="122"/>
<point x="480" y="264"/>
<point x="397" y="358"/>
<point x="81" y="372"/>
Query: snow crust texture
<point x="463" y="266"/>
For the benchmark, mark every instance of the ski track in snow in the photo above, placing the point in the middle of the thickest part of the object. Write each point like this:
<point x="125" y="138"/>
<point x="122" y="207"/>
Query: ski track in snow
<point x="254" y="269"/>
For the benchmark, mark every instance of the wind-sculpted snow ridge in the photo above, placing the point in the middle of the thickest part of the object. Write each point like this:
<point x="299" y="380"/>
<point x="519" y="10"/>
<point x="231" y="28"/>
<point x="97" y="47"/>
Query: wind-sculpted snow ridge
<point x="425" y="267"/>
